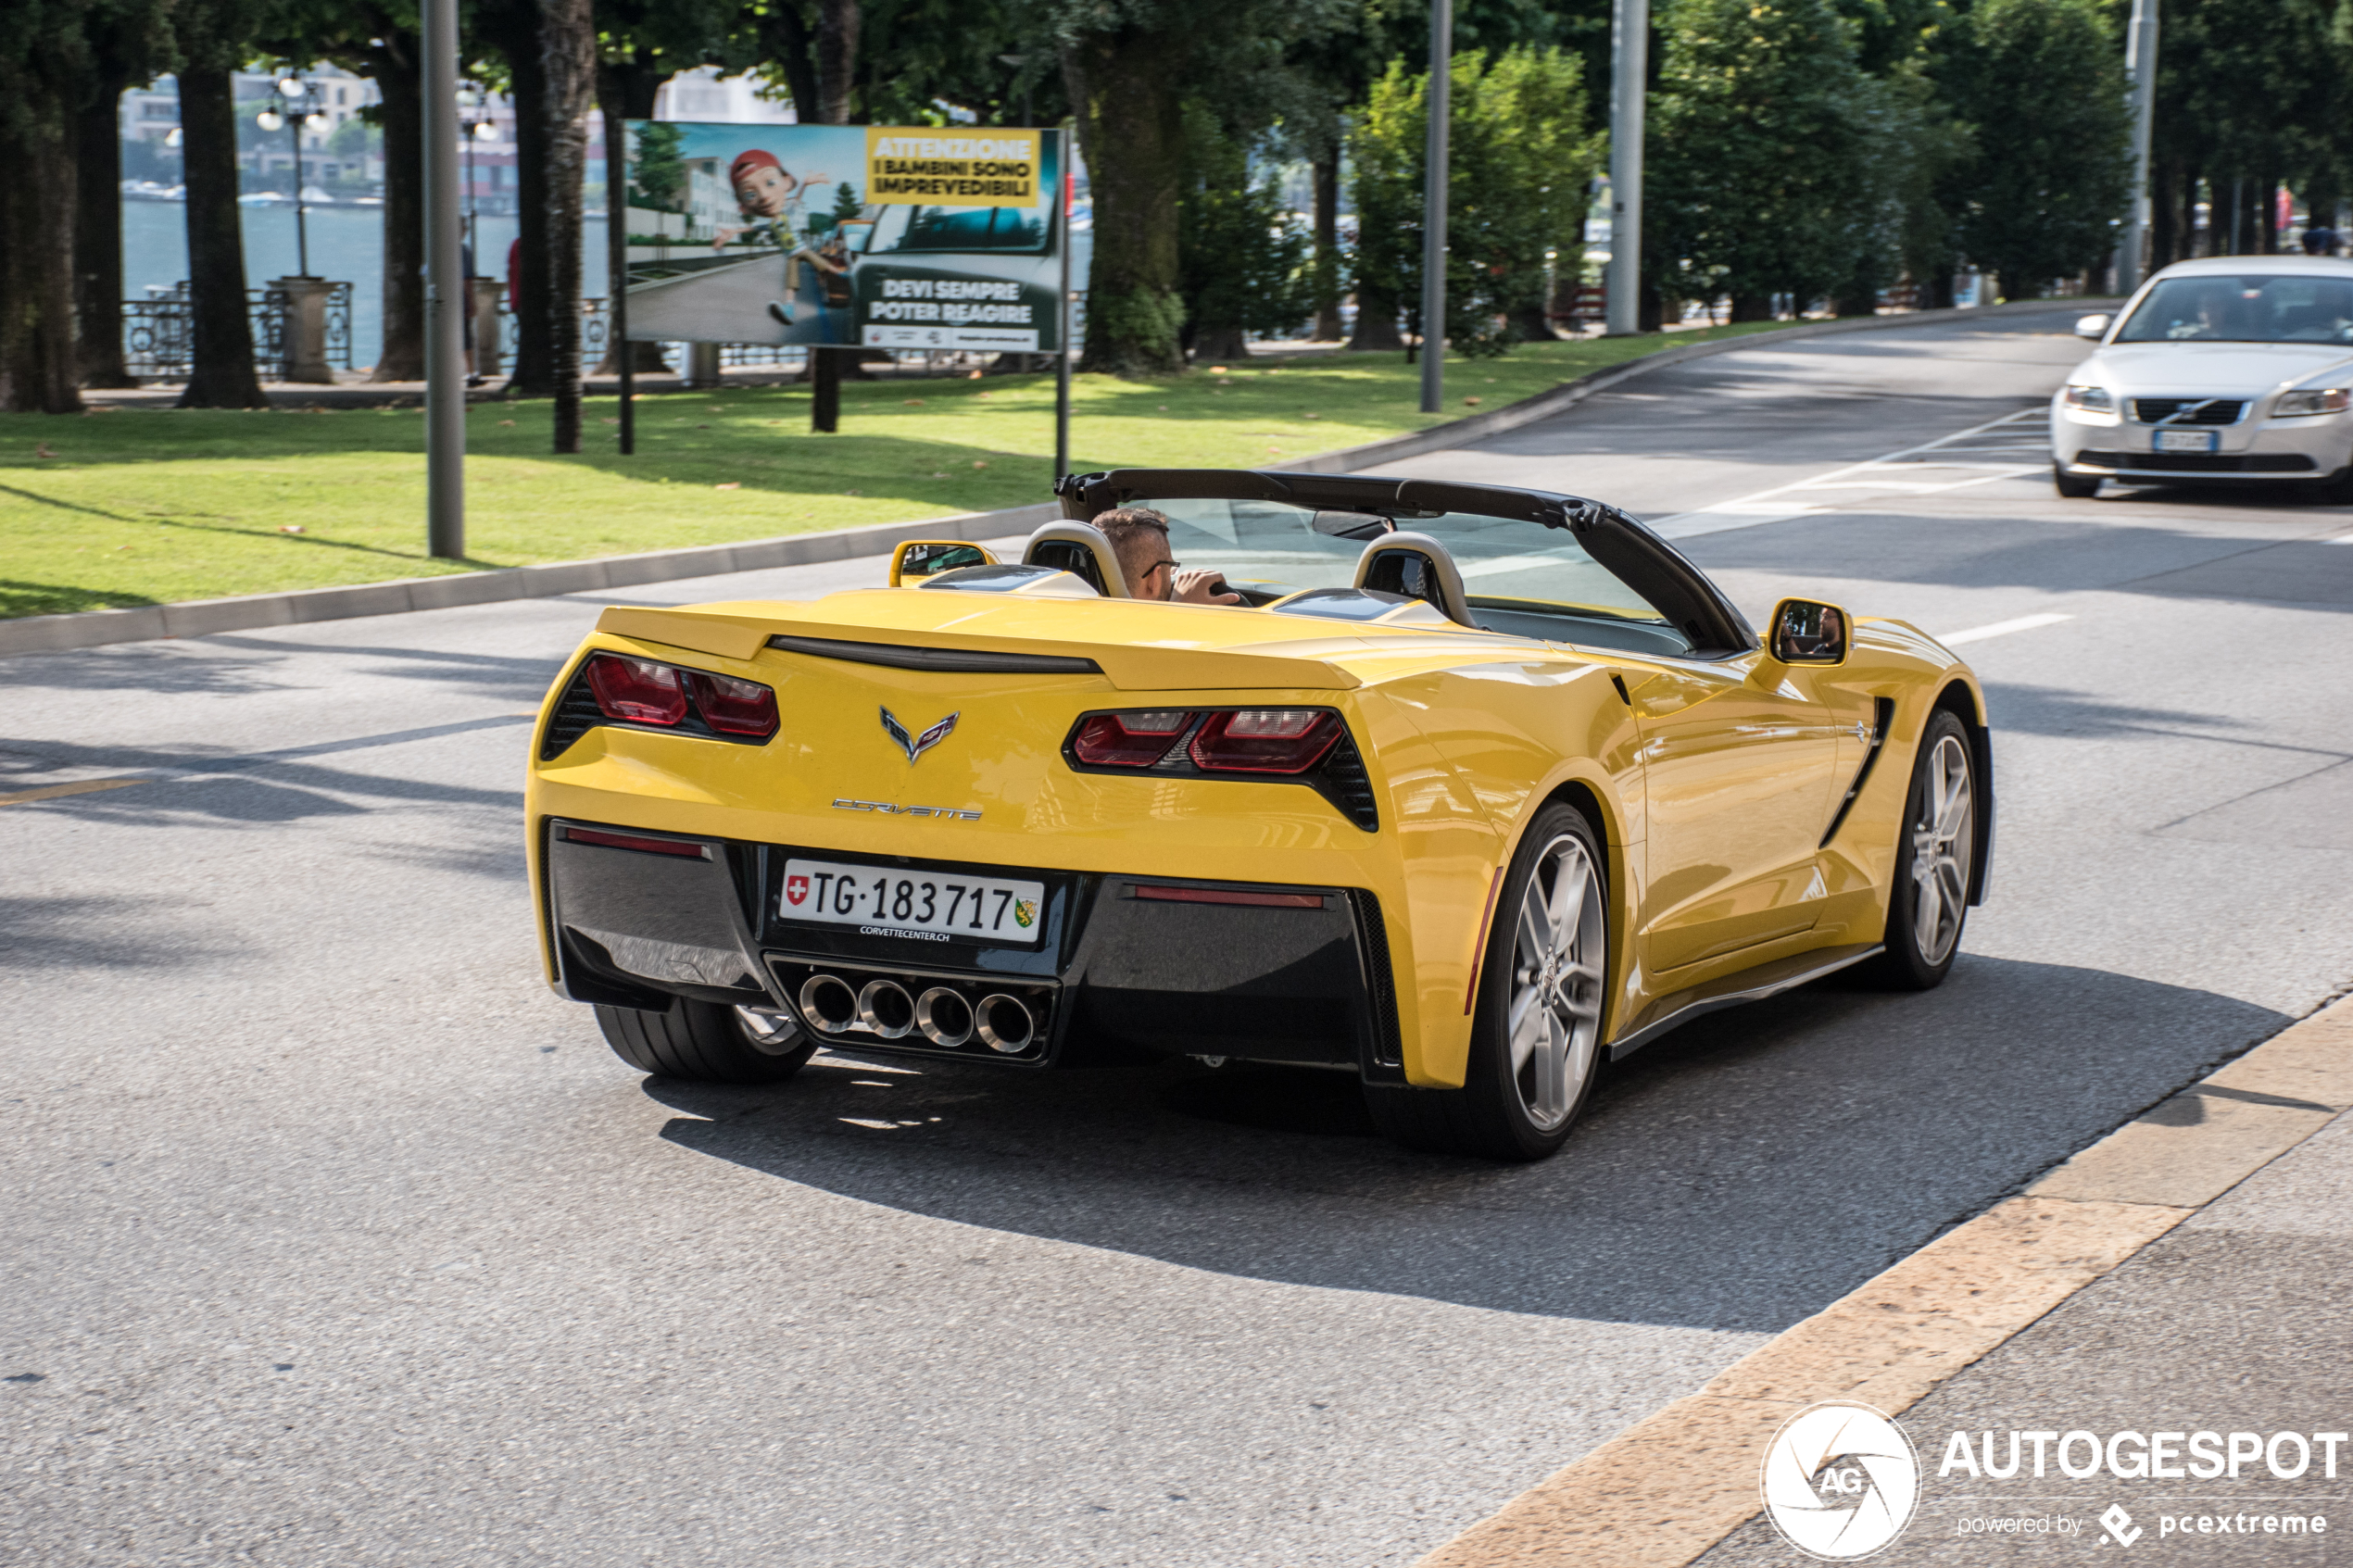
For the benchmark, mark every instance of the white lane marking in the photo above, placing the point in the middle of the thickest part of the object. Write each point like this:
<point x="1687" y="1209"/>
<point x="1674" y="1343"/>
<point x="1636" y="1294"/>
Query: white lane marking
<point x="2343" y="539"/>
<point x="2002" y="629"/>
<point x="1762" y="505"/>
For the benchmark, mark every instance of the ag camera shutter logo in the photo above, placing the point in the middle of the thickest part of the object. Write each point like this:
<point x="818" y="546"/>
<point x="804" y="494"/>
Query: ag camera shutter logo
<point x="1840" y="1481"/>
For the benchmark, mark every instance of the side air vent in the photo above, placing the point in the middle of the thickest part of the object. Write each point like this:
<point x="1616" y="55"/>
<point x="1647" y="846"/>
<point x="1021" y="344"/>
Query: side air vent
<point x="954" y="661"/>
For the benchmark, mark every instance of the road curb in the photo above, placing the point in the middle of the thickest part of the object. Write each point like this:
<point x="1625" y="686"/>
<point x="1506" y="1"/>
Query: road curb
<point x="1666" y="1491"/>
<point x="245" y="612"/>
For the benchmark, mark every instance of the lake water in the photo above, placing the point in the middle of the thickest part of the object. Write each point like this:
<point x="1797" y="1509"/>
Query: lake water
<point x="347" y="244"/>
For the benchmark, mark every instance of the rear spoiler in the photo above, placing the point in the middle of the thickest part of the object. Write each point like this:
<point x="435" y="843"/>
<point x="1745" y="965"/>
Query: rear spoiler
<point x="742" y="630"/>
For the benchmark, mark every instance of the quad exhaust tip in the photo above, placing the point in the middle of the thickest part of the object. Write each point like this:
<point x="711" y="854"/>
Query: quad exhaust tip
<point x="1006" y="1023"/>
<point x="885" y="1008"/>
<point x="829" y="1003"/>
<point x="945" y="1016"/>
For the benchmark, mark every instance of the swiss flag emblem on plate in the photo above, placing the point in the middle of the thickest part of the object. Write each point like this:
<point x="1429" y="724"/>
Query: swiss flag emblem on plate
<point x="796" y="889"/>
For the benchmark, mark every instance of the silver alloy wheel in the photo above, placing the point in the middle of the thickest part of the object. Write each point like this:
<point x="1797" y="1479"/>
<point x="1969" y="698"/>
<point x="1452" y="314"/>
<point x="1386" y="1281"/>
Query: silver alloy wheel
<point x="1556" y="1019"/>
<point x="1943" y="840"/>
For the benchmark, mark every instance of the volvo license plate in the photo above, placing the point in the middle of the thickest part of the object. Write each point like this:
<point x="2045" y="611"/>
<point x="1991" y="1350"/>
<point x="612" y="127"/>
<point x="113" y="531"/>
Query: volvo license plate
<point x="2188" y="440"/>
<point x="926" y="905"/>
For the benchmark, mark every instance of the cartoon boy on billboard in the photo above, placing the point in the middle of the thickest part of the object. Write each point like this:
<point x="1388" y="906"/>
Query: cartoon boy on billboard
<point x="772" y="202"/>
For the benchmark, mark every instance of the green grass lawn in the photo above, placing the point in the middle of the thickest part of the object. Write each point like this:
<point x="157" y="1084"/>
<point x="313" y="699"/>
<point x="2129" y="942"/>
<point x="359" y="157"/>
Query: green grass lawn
<point x="130" y="507"/>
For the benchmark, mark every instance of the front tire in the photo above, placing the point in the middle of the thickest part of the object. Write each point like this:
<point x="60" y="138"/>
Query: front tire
<point x="1935" y="853"/>
<point x="704" y="1042"/>
<point x="2074" y="487"/>
<point x="1536" y="1036"/>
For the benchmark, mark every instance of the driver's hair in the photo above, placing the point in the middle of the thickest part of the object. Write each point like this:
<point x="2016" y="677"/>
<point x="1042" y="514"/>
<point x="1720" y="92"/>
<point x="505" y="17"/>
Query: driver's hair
<point x="1139" y="536"/>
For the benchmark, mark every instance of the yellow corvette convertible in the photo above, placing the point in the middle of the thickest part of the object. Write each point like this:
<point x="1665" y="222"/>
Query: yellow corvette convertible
<point x="1476" y="786"/>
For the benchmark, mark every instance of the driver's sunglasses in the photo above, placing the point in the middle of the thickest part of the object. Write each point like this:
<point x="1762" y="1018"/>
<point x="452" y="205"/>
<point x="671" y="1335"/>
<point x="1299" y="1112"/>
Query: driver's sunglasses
<point x="1155" y="566"/>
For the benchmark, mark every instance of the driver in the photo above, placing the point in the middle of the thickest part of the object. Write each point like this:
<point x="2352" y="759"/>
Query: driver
<point x="1138" y="537"/>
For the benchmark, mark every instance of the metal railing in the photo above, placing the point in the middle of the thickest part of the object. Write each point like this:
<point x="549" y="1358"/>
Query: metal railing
<point x="157" y="334"/>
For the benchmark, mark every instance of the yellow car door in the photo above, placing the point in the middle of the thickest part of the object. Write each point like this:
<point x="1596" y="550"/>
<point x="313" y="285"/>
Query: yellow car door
<point x="1739" y="763"/>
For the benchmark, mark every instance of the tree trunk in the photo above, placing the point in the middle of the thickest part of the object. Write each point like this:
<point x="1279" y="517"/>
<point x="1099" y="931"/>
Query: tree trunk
<point x="2163" y="178"/>
<point x="395" y="63"/>
<point x="2267" y="227"/>
<point x="784" y="38"/>
<point x="1327" y="323"/>
<point x="1216" y="345"/>
<point x="534" y="374"/>
<point x="837" y="22"/>
<point x="1937" y="292"/>
<point x="97" y="237"/>
<point x="1528" y="322"/>
<point x="221" y="372"/>
<point x="1123" y="87"/>
<point x="1376" y="324"/>
<point x="1752" y="307"/>
<point x="36" y="261"/>
<point x="568" y="66"/>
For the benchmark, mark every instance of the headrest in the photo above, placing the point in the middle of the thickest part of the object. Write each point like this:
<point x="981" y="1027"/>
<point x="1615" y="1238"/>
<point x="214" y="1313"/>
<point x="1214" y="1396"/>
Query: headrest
<point x="1418" y="566"/>
<point x="1085" y="552"/>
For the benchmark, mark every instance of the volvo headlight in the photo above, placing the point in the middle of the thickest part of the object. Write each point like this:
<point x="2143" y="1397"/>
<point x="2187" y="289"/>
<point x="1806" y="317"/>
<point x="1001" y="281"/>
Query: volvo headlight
<point x="2335" y="400"/>
<point x="2093" y="398"/>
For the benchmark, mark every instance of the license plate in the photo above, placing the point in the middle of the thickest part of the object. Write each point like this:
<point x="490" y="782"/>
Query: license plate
<point x="927" y="906"/>
<point x="2188" y="440"/>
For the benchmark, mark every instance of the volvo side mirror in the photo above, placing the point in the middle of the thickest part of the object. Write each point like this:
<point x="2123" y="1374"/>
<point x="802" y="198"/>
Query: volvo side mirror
<point x="2094" y="326"/>
<point x="1808" y="632"/>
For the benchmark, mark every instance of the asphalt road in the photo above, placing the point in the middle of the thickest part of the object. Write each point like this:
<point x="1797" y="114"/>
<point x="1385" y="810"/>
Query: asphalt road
<point x="336" y="1238"/>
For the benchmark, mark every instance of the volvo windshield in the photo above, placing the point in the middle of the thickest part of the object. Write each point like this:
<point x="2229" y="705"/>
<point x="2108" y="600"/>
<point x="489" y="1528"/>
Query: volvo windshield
<point x="2250" y="308"/>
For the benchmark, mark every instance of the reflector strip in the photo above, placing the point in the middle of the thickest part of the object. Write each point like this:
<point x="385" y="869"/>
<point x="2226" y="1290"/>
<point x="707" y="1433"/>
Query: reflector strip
<point x="1224" y="896"/>
<point x="629" y="841"/>
<point x="1479" y="948"/>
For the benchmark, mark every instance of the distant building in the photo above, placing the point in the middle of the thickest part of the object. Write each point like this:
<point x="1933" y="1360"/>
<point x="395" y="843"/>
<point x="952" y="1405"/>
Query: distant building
<point x="704" y="95"/>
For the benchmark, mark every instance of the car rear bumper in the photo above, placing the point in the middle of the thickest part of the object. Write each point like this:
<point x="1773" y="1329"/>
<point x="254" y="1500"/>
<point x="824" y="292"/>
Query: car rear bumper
<point x="1125" y="966"/>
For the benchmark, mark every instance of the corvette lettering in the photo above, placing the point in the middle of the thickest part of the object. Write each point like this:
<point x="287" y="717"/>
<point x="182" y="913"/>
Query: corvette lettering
<point x="945" y="814"/>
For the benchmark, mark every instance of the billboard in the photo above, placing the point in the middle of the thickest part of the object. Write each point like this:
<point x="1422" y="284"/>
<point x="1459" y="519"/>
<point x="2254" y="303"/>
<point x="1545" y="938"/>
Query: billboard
<point x="855" y="236"/>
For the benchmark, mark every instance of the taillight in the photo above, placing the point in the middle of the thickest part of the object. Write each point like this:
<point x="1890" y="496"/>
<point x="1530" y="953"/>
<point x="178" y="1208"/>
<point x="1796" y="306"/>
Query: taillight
<point x="637" y="689"/>
<point x="1264" y="740"/>
<point x="1129" y="740"/>
<point x="733" y="707"/>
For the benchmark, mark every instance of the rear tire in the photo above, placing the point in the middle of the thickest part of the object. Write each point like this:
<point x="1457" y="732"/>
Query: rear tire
<point x="703" y="1042"/>
<point x="2074" y="487"/>
<point x="1536" y="1038"/>
<point x="1936" y="859"/>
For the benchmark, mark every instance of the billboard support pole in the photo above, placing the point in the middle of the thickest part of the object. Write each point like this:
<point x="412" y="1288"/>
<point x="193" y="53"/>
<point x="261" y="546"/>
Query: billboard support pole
<point x="444" y="347"/>
<point x="617" y="273"/>
<point x="824" y="389"/>
<point x="1434" y="171"/>
<point x="1061" y="316"/>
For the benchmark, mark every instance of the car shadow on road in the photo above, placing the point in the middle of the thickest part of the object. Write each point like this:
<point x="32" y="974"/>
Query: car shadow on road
<point x="1740" y="1176"/>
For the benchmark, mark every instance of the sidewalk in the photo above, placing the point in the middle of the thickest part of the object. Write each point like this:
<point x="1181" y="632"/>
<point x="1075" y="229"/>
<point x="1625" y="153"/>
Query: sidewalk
<point x="2234" y="1323"/>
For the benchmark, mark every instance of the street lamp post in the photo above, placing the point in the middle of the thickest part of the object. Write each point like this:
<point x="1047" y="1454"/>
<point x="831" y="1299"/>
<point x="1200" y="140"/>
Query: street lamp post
<point x="291" y="91"/>
<point x="2139" y="63"/>
<point x="1628" y="84"/>
<point x="1434" y="155"/>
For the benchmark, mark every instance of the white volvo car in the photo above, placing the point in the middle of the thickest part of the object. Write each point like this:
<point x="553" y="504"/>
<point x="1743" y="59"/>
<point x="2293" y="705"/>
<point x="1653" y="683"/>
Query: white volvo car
<point x="2233" y="369"/>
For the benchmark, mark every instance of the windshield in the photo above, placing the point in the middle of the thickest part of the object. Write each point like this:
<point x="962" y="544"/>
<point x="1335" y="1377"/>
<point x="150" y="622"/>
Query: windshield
<point x="2251" y="309"/>
<point x="1520" y="577"/>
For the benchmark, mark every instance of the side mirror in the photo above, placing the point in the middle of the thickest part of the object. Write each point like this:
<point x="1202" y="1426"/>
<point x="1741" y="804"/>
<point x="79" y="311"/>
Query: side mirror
<point x="929" y="557"/>
<point x="1808" y="632"/>
<point x="2094" y="326"/>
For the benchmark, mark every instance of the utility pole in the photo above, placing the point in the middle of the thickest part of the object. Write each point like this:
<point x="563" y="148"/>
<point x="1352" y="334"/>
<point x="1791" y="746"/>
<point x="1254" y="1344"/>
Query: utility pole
<point x="444" y="343"/>
<point x="2139" y="63"/>
<point x="1441" y="81"/>
<point x="1630" y="39"/>
<point x="1067" y="178"/>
